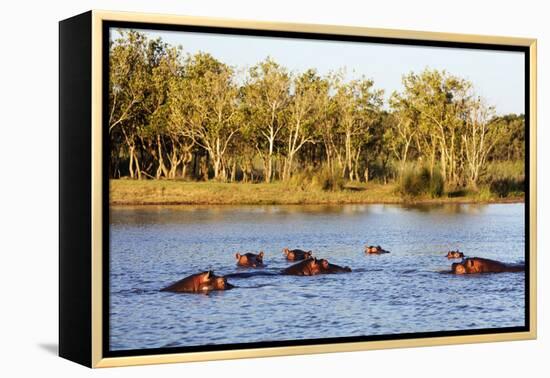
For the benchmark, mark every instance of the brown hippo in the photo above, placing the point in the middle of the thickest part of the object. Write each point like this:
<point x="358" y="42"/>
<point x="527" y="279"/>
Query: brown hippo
<point x="252" y="260"/>
<point x="375" y="250"/>
<point x="328" y="268"/>
<point x="199" y="283"/>
<point x="308" y="267"/>
<point x="297" y="254"/>
<point x="478" y="265"/>
<point x="455" y="254"/>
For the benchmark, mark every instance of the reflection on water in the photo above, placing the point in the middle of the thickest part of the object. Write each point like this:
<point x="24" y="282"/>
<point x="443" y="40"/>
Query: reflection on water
<point x="397" y="293"/>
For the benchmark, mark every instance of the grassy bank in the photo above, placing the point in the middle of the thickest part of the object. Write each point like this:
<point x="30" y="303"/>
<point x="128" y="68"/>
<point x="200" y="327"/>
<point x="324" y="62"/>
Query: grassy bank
<point x="163" y="192"/>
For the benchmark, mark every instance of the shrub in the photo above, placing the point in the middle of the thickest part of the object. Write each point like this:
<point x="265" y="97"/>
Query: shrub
<point x="300" y="180"/>
<point x="419" y="181"/>
<point x="325" y="180"/>
<point x="506" y="186"/>
<point x="411" y="184"/>
<point x="316" y="179"/>
<point x="484" y="193"/>
<point x="505" y="178"/>
<point x="437" y="185"/>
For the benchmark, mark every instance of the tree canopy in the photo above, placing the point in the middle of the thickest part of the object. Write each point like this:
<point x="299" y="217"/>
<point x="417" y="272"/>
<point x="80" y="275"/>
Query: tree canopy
<point x="191" y="116"/>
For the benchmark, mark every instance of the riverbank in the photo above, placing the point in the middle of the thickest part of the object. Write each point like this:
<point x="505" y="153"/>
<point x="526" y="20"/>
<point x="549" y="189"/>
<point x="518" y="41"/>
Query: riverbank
<point x="164" y="192"/>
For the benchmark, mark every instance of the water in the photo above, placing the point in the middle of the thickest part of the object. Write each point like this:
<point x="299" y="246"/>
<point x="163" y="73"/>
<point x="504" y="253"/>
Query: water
<point x="401" y="292"/>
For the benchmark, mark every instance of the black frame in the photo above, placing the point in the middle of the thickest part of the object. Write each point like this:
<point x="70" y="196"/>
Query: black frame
<point x="107" y="25"/>
<point x="75" y="194"/>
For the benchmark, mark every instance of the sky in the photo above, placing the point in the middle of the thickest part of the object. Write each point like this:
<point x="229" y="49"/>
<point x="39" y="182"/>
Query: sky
<point x="498" y="76"/>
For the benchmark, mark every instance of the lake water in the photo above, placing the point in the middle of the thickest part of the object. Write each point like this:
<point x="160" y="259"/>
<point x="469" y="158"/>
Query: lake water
<point x="400" y="292"/>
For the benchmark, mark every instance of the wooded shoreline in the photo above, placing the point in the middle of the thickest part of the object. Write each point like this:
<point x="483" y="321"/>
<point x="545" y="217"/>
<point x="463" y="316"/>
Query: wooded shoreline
<point x="173" y="192"/>
<point x="181" y="116"/>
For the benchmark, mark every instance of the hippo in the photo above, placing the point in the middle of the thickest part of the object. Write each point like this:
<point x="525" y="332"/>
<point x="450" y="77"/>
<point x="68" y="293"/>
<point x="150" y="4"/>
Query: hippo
<point x="308" y="267"/>
<point x="250" y="259"/>
<point x="297" y="254"/>
<point x="476" y="265"/>
<point x="199" y="283"/>
<point x="375" y="250"/>
<point x="455" y="254"/>
<point x="328" y="268"/>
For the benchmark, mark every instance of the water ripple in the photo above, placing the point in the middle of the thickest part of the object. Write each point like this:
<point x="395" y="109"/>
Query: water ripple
<point x="397" y="293"/>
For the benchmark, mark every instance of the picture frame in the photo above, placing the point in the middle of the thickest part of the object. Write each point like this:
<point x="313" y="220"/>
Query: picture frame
<point x="84" y="207"/>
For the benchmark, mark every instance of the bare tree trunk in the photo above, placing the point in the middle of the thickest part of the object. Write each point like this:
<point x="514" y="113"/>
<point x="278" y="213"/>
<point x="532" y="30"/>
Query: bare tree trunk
<point x="443" y="162"/>
<point x="233" y="171"/>
<point x="269" y="172"/>
<point x="161" y="169"/>
<point x="287" y="170"/>
<point x="432" y="161"/>
<point x="216" y="165"/>
<point x="136" y="163"/>
<point x="131" y="163"/>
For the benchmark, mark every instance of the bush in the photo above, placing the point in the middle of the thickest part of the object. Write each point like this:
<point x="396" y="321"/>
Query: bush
<point x="505" y="178"/>
<point x="484" y="193"/>
<point x="497" y="170"/>
<point x="506" y="186"/>
<point x="316" y="179"/>
<point x="437" y="185"/>
<point x="325" y="180"/>
<point x="419" y="181"/>
<point x="300" y="180"/>
<point x="412" y="184"/>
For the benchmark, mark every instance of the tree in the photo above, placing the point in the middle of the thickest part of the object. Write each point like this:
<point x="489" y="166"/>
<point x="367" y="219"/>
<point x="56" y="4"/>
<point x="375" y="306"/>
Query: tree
<point x="168" y="113"/>
<point x="127" y="90"/>
<point x="358" y="106"/>
<point x="401" y="130"/>
<point x="266" y="96"/>
<point x="510" y="146"/>
<point x="178" y="126"/>
<point x="303" y="114"/>
<point x="479" y="138"/>
<point x="165" y="68"/>
<point x="211" y="97"/>
<point x="328" y="125"/>
<point x="439" y="99"/>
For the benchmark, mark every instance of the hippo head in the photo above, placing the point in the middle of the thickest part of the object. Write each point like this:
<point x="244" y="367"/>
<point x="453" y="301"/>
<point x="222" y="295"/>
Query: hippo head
<point x="260" y="257"/>
<point x="215" y="283"/>
<point x="471" y="266"/>
<point x="458" y="268"/>
<point x="250" y="259"/>
<point x="220" y="283"/>
<point x="455" y="254"/>
<point x="323" y="263"/>
<point x="315" y="265"/>
<point x="244" y="260"/>
<point x="205" y="276"/>
<point x="373" y="249"/>
<point x="286" y="251"/>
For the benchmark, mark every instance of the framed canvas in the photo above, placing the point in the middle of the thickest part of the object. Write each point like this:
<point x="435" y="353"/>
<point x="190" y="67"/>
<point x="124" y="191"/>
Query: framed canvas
<point x="235" y="189"/>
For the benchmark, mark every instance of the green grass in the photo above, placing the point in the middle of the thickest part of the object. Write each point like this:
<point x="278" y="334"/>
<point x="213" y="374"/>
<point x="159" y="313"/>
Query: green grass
<point x="167" y="192"/>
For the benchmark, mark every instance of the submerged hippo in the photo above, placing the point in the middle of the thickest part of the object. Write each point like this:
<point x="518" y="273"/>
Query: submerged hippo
<point x="375" y="250"/>
<point x="252" y="260"/>
<point x="476" y="265"/>
<point x="199" y="283"/>
<point x="308" y="267"/>
<point x="328" y="268"/>
<point x="455" y="254"/>
<point x="297" y="254"/>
